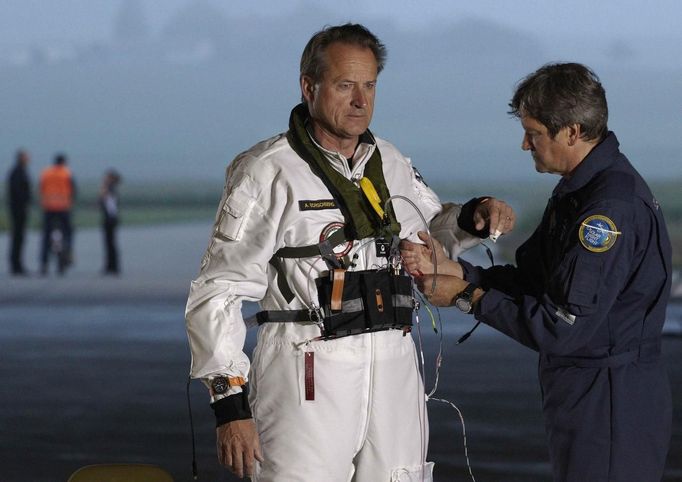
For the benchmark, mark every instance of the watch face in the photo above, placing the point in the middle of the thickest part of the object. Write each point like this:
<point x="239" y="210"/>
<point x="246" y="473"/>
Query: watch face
<point x="220" y="385"/>
<point x="463" y="304"/>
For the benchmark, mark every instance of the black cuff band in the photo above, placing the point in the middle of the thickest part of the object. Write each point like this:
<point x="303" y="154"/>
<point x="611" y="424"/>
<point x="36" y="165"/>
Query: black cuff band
<point x="465" y="220"/>
<point x="233" y="407"/>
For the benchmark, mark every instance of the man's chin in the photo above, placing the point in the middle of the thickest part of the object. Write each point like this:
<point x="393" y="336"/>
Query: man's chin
<point x="357" y="125"/>
<point x="354" y="132"/>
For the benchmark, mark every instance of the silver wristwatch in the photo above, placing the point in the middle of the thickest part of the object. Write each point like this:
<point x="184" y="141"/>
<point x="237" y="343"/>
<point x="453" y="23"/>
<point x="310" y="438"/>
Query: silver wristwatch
<point x="464" y="300"/>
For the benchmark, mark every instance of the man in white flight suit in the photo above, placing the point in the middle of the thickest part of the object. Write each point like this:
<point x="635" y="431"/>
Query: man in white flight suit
<point x="349" y="408"/>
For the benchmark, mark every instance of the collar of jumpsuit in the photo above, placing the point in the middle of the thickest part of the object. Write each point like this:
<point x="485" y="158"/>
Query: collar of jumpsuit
<point x="606" y="153"/>
<point x="361" y="219"/>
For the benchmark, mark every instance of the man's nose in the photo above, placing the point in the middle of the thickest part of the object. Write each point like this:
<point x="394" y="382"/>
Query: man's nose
<point x="525" y="144"/>
<point x="359" y="98"/>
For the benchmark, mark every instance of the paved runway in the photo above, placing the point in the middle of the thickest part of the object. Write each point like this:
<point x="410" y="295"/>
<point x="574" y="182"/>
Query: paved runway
<point x="94" y="370"/>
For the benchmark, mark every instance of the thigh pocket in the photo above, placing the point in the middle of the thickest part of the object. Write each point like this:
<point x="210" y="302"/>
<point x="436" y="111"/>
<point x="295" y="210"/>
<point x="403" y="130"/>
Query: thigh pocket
<point x="417" y="473"/>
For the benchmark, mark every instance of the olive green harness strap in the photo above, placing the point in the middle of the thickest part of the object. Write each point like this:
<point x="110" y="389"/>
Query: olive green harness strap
<point x="361" y="219"/>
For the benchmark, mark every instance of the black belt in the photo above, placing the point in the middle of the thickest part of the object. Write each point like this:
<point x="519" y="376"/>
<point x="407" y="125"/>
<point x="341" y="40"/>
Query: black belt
<point x="284" y="316"/>
<point x="646" y="352"/>
<point x="309" y="316"/>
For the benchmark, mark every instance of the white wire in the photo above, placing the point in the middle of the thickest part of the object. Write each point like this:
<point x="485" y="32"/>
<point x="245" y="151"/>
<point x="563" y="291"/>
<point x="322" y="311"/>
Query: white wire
<point x="420" y="361"/>
<point x="464" y="433"/>
<point x="419" y="334"/>
<point x="310" y="277"/>
<point x="422" y="418"/>
<point x="426" y="228"/>
<point x="421" y="366"/>
<point x="320" y="258"/>
<point x="439" y="356"/>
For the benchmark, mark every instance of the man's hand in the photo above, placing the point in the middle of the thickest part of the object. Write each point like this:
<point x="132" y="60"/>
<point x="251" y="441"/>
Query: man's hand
<point x="238" y="446"/>
<point x="496" y="215"/>
<point x="445" y="289"/>
<point x="418" y="258"/>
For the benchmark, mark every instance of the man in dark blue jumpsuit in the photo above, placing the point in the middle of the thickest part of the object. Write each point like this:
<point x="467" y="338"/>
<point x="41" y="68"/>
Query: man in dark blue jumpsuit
<point x="589" y="290"/>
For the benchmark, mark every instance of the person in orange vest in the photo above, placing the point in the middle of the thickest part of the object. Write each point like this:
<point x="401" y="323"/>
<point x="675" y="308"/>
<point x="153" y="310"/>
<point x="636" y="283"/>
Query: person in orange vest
<point x="57" y="193"/>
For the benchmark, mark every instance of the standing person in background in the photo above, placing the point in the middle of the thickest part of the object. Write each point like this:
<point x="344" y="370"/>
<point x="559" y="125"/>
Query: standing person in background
<point x="18" y="201"/>
<point x="589" y="289"/>
<point x="57" y="193"/>
<point x="108" y="202"/>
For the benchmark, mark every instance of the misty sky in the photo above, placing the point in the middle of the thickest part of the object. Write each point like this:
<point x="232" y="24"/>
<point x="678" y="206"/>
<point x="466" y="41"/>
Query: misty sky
<point x="27" y="21"/>
<point x="175" y="88"/>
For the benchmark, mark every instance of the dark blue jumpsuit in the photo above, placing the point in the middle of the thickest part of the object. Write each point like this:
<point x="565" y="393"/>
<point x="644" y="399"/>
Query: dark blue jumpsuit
<point x="589" y="293"/>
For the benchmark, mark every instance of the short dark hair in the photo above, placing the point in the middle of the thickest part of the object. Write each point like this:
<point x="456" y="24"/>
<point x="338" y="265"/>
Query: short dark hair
<point x="561" y="94"/>
<point x="313" y="60"/>
<point x="60" y="159"/>
<point x="20" y="155"/>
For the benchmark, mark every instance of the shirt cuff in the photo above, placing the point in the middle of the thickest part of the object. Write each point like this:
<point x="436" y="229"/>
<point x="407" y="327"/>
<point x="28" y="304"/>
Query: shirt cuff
<point x="465" y="220"/>
<point x="472" y="274"/>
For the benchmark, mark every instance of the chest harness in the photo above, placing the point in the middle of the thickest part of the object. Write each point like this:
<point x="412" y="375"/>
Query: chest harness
<point x="350" y="302"/>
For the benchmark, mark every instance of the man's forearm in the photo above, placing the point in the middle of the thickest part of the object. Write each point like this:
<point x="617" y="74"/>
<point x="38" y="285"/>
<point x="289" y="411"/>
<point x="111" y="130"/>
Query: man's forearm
<point x="450" y="268"/>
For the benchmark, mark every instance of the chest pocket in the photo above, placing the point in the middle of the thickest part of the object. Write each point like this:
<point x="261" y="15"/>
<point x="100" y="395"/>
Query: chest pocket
<point x="235" y="214"/>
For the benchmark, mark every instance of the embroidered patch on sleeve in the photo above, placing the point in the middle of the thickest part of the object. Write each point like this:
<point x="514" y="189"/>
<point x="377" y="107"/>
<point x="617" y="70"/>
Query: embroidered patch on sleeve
<point x="598" y="233"/>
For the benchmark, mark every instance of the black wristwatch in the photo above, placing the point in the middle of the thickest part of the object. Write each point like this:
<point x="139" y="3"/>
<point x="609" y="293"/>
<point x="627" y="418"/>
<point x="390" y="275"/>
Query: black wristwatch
<point x="464" y="300"/>
<point x="221" y="384"/>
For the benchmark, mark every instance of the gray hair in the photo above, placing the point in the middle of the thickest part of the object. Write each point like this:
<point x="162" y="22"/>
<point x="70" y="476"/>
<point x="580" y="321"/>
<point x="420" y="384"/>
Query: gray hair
<point x="561" y="94"/>
<point x="314" y="59"/>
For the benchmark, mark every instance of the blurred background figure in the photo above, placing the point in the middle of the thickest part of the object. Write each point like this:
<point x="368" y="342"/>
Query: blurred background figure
<point x="57" y="193"/>
<point x="108" y="201"/>
<point x="18" y="201"/>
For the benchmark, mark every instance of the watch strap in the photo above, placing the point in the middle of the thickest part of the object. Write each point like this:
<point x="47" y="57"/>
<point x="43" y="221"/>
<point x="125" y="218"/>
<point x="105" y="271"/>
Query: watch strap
<point x="228" y="382"/>
<point x="466" y="296"/>
<point x="468" y="292"/>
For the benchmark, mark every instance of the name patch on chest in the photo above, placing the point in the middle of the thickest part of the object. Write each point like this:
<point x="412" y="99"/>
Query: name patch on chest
<point x="317" y="205"/>
<point x="598" y="233"/>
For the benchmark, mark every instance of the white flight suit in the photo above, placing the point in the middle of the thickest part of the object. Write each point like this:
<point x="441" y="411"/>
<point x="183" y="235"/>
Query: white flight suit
<point x="367" y="422"/>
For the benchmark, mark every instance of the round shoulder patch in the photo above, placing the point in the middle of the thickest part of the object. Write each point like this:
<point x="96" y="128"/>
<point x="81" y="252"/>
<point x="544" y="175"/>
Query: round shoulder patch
<point x="598" y="233"/>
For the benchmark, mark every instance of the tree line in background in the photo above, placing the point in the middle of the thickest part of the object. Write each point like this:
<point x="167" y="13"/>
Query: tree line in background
<point x="153" y="203"/>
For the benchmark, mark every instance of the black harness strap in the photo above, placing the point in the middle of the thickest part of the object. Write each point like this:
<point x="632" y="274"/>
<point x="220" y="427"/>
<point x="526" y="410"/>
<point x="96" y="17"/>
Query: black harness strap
<point x="324" y="249"/>
<point x="311" y="250"/>
<point x="282" y="284"/>
<point x="283" y="316"/>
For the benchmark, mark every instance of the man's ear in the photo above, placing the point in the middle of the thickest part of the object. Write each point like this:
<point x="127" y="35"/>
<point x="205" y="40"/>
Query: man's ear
<point x="573" y="134"/>
<point x="307" y="88"/>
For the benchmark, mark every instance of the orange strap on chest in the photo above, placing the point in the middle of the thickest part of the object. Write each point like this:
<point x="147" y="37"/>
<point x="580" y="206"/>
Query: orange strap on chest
<point x="338" y="277"/>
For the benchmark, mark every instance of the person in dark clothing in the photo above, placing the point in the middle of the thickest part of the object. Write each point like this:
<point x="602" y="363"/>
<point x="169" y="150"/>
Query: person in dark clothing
<point x="18" y="201"/>
<point x="108" y="201"/>
<point x="589" y="289"/>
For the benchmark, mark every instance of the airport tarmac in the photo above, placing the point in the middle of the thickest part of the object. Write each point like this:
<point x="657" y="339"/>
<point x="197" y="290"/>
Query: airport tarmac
<point x="94" y="369"/>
